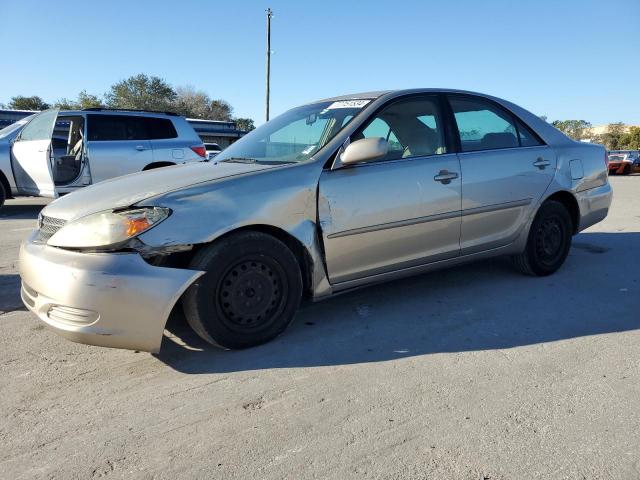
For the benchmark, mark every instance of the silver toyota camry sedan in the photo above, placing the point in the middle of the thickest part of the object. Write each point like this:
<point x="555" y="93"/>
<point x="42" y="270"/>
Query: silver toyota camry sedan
<point x="327" y="197"/>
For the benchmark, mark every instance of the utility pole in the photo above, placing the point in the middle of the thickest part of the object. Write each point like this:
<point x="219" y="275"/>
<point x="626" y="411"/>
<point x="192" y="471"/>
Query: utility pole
<point x="269" y="15"/>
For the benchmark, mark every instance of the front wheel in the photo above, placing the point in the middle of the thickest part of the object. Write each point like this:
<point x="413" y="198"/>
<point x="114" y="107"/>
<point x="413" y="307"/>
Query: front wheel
<point x="250" y="291"/>
<point x="549" y="241"/>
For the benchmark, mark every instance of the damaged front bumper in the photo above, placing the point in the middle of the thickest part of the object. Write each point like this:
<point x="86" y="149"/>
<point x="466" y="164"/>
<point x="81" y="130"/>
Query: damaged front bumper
<point x="106" y="299"/>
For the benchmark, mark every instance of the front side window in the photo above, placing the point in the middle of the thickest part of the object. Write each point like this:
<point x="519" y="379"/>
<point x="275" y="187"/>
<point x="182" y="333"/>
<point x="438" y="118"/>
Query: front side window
<point x="296" y="135"/>
<point x="412" y="128"/>
<point x="41" y="127"/>
<point x="483" y="125"/>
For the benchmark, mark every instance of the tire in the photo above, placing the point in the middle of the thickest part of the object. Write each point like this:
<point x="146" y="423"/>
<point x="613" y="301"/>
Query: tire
<point x="250" y="293"/>
<point x="549" y="241"/>
<point x="153" y="166"/>
<point x="3" y="194"/>
<point x="627" y="170"/>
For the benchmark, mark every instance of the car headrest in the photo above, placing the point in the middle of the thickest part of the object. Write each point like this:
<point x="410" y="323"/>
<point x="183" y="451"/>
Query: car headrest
<point x="499" y="140"/>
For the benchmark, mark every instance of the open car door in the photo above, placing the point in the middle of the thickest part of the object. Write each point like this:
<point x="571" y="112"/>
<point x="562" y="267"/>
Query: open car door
<point x="31" y="155"/>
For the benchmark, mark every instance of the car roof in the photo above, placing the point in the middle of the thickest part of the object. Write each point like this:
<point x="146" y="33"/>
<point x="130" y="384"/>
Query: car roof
<point x="141" y="113"/>
<point x="398" y="92"/>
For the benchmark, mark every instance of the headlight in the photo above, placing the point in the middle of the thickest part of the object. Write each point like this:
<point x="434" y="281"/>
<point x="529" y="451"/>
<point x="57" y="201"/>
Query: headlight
<point x="107" y="228"/>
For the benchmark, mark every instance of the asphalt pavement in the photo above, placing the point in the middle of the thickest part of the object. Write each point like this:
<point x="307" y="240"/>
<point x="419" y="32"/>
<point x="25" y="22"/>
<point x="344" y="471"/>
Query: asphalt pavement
<point x="475" y="373"/>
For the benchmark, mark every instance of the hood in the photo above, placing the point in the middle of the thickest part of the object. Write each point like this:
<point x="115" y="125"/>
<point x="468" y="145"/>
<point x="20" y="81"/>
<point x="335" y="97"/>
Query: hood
<point x="130" y="189"/>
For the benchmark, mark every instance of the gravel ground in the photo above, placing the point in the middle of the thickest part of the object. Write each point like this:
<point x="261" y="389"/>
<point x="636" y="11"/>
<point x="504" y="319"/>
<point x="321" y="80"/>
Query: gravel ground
<point x="472" y="373"/>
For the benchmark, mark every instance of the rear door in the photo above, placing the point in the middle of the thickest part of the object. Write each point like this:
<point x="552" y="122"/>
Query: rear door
<point x="31" y="156"/>
<point x="506" y="168"/>
<point x="167" y="148"/>
<point x="117" y="145"/>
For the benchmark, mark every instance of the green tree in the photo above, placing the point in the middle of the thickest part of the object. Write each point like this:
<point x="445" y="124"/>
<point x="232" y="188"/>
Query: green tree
<point x="85" y="100"/>
<point x="220" y="110"/>
<point x="613" y="136"/>
<point x="141" y="92"/>
<point x="631" y="139"/>
<point x="88" y="100"/>
<point x="20" y="102"/>
<point x="65" y="104"/>
<point x="576" y="129"/>
<point x="245" y="124"/>
<point x="192" y="103"/>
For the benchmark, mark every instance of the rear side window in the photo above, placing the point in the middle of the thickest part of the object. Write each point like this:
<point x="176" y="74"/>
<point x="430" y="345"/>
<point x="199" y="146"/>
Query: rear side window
<point x="527" y="137"/>
<point x="116" y="127"/>
<point x="160" y="128"/>
<point x="129" y="127"/>
<point x="483" y="125"/>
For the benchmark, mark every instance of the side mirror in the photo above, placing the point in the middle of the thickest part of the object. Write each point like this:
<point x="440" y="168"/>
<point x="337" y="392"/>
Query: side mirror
<point x="364" y="150"/>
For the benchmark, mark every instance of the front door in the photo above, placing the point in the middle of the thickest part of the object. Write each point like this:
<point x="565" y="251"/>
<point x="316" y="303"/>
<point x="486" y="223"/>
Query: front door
<point x="31" y="156"/>
<point x="400" y="211"/>
<point x="505" y="168"/>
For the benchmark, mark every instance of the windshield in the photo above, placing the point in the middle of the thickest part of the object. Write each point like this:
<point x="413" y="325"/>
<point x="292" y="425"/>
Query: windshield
<point x="295" y="135"/>
<point x="14" y="127"/>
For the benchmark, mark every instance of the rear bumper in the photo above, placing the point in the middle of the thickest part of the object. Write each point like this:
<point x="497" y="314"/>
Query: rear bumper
<point x="594" y="205"/>
<point x="109" y="299"/>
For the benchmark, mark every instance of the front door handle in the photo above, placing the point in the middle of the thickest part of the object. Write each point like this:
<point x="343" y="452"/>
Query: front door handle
<point x="541" y="163"/>
<point x="445" y="176"/>
<point x="140" y="148"/>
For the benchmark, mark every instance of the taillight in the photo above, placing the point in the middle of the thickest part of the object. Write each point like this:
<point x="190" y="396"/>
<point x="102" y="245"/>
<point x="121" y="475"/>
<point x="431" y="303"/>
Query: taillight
<point x="200" y="150"/>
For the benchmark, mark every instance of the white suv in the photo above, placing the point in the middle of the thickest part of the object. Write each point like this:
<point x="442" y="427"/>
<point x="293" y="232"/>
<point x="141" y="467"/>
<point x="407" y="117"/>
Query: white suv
<point x="58" y="152"/>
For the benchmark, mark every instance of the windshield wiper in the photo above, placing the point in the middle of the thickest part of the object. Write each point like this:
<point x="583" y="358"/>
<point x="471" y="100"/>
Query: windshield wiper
<point x="238" y="160"/>
<point x="255" y="160"/>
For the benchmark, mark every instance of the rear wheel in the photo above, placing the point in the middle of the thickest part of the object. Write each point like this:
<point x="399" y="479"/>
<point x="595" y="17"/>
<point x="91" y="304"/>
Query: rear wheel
<point x="549" y="241"/>
<point x="627" y="170"/>
<point x="153" y="166"/>
<point x="249" y="294"/>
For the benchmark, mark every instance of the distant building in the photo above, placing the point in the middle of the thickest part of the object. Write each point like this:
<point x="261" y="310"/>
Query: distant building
<point x="7" y="117"/>
<point x="210" y="131"/>
<point x="216" y="131"/>
<point x="592" y="134"/>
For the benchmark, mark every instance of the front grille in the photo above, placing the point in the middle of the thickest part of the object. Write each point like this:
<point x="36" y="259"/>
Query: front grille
<point x="48" y="226"/>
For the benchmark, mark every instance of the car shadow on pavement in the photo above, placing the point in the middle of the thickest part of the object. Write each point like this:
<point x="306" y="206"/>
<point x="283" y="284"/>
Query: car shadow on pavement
<point x="486" y="305"/>
<point x="20" y="212"/>
<point x="10" y="293"/>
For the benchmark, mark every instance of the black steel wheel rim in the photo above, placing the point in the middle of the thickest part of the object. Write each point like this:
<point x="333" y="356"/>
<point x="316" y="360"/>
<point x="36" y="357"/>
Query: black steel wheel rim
<point x="550" y="239"/>
<point x="251" y="294"/>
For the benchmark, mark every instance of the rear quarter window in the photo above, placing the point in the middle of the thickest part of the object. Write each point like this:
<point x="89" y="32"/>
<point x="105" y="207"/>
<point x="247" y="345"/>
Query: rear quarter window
<point x="160" y="128"/>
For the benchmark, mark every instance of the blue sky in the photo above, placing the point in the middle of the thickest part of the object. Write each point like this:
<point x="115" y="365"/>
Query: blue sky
<point x="562" y="58"/>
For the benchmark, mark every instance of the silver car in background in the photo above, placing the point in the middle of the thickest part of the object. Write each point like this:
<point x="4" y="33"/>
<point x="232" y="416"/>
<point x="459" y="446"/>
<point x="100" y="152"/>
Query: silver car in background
<point x="328" y="197"/>
<point x="57" y="152"/>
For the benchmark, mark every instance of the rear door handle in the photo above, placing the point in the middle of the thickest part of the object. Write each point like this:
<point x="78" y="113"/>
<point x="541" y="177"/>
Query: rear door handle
<point x="140" y="147"/>
<point x="541" y="163"/>
<point x="445" y="176"/>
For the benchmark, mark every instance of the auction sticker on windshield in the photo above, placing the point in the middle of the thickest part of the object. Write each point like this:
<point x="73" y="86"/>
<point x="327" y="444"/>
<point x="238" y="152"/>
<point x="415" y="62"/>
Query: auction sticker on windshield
<point x="348" y="104"/>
